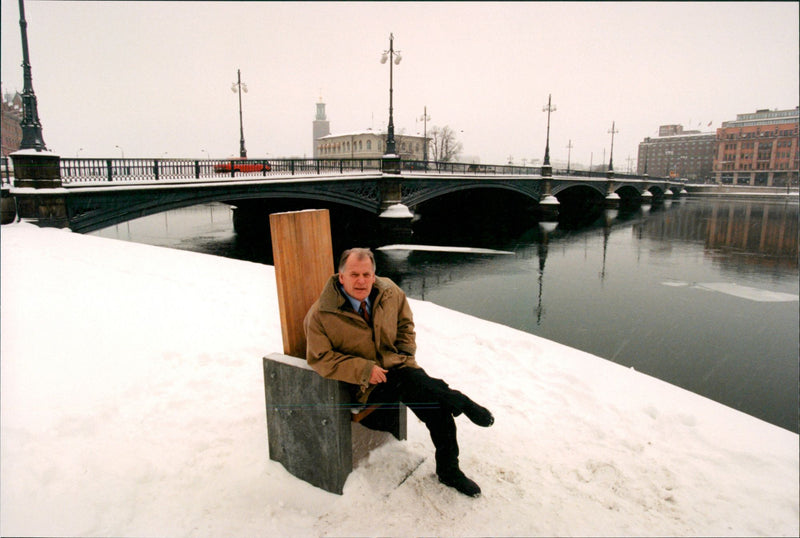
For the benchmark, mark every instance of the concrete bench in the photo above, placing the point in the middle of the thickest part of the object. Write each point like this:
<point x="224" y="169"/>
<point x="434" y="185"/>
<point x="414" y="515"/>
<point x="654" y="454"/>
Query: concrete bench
<point x="312" y="429"/>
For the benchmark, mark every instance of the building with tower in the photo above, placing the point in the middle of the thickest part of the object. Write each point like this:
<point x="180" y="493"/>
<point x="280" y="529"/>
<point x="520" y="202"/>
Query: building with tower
<point x="367" y="144"/>
<point x="322" y="127"/>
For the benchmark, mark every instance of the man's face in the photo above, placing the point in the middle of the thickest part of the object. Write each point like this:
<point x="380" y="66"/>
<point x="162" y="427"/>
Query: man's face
<point x="357" y="277"/>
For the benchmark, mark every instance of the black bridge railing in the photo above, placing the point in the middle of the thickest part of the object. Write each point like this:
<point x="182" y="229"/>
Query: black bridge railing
<point x="80" y="170"/>
<point x="468" y="168"/>
<point x="121" y="170"/>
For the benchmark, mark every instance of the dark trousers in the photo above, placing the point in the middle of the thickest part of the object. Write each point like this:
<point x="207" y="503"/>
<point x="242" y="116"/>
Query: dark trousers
<point x="431" y="400"/>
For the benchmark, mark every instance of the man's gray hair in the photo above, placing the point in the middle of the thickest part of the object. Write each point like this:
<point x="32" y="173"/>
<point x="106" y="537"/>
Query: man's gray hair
<point x="360" y="254"/>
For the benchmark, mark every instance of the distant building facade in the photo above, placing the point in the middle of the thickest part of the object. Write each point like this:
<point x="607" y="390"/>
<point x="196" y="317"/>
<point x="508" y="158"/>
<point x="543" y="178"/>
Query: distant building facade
<point x="10" y="125"/>
<point x="367" y="144"/>
<point x="759" y="148"/>
<point x="678" y="153"/>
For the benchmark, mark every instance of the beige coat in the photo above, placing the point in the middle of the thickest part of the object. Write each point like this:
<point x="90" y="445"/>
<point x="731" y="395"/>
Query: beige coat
<point x="341" y="345"/>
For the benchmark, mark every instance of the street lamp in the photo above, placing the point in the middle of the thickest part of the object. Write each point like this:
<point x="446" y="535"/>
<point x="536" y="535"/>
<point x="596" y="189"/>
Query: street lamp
<point x="393" y="57"/>
<point x="238" y="86"/>
<point x="425" y="119"/>
<point x="547" y="170"/>
<point x="613" y="131"/>
<point x="31" y="126"/>
<point x="569" y="154"/>
<point x="669" y="162"/>
<point x="122" y="152"/>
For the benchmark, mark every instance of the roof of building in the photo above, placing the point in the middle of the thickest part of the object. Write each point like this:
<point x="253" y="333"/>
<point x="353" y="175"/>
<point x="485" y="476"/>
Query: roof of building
<point x="366" y="132"/>
<point x="672" y="138"/>
<point x="764" y="117"/>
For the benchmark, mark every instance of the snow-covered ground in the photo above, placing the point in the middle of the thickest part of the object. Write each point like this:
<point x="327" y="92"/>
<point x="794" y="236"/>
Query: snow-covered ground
<point x="133" y="405"/>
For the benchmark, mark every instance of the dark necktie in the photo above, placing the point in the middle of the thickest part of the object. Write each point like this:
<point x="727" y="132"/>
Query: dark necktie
<point x="363" y="311"/>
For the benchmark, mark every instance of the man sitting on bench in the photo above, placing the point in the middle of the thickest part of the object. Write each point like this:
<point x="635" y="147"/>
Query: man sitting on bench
<point x="361" y="331"/>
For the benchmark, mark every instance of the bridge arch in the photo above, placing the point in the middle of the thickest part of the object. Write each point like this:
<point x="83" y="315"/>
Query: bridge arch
<point x="593" y="186"/>
<point x="415" y="193"/>
<point x="90" y="211"/>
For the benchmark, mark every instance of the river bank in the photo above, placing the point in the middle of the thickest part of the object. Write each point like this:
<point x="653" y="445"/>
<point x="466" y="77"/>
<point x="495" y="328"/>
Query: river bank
<point x="132" y="404"/>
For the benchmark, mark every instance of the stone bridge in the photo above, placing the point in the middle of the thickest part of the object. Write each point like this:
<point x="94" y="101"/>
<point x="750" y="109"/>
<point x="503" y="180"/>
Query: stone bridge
<point x="89" y="194"/>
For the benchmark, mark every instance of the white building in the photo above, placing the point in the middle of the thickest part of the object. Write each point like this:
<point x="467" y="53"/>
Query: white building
<point x="367" y="144"/>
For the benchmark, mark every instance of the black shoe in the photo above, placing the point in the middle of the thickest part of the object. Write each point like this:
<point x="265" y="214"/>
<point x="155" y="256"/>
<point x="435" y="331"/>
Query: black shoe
<point x="477" y="414"/>
<point x="456" y="479"/>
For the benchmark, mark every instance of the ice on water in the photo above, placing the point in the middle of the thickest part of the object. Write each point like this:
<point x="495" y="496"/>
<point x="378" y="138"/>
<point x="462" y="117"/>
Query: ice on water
<point x="737" y="290"/>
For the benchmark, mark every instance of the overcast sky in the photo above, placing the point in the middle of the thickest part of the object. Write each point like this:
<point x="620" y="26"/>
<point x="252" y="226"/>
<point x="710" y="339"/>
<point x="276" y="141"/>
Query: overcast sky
<point x="153" y="79"/>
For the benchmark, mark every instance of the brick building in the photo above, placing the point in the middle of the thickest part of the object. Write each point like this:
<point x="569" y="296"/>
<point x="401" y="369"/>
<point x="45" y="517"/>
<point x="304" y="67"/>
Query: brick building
<point x="10" y="125"/>
<point x="758" y="148"/>
<point x="678" y="153"/>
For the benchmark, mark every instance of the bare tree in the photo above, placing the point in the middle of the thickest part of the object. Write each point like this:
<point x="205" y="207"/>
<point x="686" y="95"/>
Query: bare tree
<point x="443" y="146"/>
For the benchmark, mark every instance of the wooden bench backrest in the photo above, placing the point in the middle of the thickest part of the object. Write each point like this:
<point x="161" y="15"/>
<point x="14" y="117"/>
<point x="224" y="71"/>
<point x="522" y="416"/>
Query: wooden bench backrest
<point x="303" y="257"/>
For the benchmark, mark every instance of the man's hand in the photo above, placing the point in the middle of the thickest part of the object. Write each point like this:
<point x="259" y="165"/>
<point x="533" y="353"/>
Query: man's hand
<point x="378" y="375"/>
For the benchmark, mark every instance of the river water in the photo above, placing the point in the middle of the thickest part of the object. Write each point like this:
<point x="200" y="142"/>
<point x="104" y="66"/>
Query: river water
<point x="700" y="293"/>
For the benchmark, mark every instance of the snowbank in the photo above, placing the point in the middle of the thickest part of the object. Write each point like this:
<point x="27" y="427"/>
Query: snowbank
<point x="132" y="405"/>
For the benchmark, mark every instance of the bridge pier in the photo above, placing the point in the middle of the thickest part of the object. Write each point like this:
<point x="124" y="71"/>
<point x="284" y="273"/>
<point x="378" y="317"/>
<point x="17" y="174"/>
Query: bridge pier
<point x="37" y="188"/>
<point x="390" y="164"/>
<point x="612" y="199"/>
<point x="548" y="204"/>
<point x="394" y="217"/>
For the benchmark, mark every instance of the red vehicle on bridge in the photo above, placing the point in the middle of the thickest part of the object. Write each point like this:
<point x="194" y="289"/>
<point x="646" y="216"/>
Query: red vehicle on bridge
<point x="242" y="165"/>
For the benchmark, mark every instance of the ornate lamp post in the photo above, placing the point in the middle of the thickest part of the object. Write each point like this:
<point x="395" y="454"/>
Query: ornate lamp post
<point x="612" y="200"/>
<point x="613" y="131"/>
<point x="547" y="170"/>
<point x="646" y="151"/>
<point x="238" y="86"/>
<point x="39" y="169"/>
<point x="548" y="205"/>
<point x="31" y="127"/>
<point x="569" y="154"/>
<point x="394" y="58"/>
<point x="425" y="119"/>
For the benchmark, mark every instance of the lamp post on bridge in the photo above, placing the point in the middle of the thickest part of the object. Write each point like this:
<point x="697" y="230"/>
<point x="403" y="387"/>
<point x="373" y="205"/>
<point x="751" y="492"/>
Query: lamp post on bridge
<point x="612" y="200"/>
<point x="548" y="205"/>
<point x="610" y="171"/>
<point x="393" y="57"/>
<point x="34" y="165"/>
<point x="425" y="119"/>
<point x="395" y="218"/>
<point x="569" y="154"/>
<point x="30" y="124"/>
<point x="238" y="86"/>
<point x="547" y="170"/>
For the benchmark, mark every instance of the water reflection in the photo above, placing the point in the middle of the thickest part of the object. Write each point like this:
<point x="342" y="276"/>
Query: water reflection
<point x="737" y="235"/>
